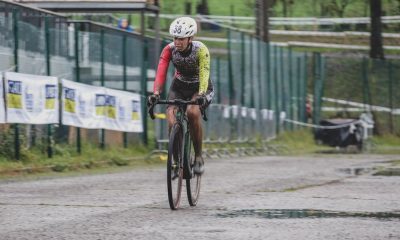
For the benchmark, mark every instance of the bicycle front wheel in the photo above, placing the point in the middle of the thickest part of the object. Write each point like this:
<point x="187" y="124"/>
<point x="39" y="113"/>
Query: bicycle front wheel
<point x="192" y="180"/>
<point x="174" y="166"/>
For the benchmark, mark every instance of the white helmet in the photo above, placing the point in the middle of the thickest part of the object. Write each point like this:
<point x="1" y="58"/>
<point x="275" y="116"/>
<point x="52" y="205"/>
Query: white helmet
<point x="183" y="27"/>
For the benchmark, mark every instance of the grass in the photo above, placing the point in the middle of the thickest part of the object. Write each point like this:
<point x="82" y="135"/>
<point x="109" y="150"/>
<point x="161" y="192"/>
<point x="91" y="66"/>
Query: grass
<point x="299" y="142"/>
<point x="302" y="142"/>
<point x="240" y="7"/>
<point x="396" y="163"/>
<point x="386" y="144"/>
<point x="388" y="140"/>
<point x="304" y="8"/>
<point x="68" y="160"/>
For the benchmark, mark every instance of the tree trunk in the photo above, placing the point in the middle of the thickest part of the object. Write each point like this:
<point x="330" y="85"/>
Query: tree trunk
<point x="285" y="11"/>
<point x="188" y="8"/>
<point x="258" y="18"/>
<point x="263" y="19"/>
<point x="376" y="48"/>
<point x="284" y="8"/>
<point x="205" y="7"/>
<point x="266" y="7"/>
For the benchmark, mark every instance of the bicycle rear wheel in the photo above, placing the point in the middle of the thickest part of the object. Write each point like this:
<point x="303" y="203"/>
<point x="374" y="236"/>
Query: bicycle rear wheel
<point x="192" y="180"/>
<point x="174" y="166"/>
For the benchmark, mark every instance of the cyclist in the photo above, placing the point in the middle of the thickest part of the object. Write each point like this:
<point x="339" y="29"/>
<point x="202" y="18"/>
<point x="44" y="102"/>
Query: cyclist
<point x="191" y="81"/>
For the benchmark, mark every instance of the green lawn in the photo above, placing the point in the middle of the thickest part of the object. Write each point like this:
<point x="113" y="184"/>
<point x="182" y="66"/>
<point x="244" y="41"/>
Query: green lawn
<point x="303" y="8"/>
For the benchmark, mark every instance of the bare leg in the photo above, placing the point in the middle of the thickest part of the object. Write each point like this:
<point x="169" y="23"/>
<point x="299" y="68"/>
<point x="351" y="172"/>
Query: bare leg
<point x="171" y="110"/>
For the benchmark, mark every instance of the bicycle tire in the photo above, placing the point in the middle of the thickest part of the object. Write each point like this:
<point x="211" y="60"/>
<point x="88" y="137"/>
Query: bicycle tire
<point x="174" y="166"/>
<point x="193" y="181"/>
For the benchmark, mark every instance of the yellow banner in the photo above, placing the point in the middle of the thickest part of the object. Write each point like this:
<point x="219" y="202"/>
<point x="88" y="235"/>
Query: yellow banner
<point x="14" y="101"/>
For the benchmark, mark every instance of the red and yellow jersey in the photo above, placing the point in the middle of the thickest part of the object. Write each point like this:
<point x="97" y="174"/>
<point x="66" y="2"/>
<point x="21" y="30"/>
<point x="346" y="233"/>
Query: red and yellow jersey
<point x="191" y="66"/>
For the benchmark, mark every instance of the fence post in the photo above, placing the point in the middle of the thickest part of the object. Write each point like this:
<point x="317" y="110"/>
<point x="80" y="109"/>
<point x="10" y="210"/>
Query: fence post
<point x="77" y="76"/>
<point x="218" y="80"/>
<point x="322" y="86"/>
<point x="251" y="80"/>
<point x="48" y="71"/>
<point x="261" y="86"/>
<point x="231" y="86"/>
<point x="268" y="66"/>
<point x="144" y="90"/>
<point x="259" y="70"/>
<point x="102" y="78"/>
<point x="230" y="69"/>
<point x="242" y="67"/>
<point x="299" y="89"/>
<point x="391" y="97"/>
<point x="277" y="110"/>
<point x="304" y="88"/>
<point x="291" y="89"/>
<point x="366" y="94"/>
<point x="124" y="39"/>
<point x="319" y="72"/>
<point x="316" y="79"/>
<point x="283" y="83"/>
<point x="16" y="126"/>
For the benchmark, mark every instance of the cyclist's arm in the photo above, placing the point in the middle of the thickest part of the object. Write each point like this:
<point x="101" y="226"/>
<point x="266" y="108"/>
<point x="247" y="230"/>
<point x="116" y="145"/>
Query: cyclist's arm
<point x="162" y="69"/>
<point x="204" y="66"/>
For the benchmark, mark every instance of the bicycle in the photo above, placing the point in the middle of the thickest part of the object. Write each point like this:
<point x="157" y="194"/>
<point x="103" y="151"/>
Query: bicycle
<point x="180" y="158"/>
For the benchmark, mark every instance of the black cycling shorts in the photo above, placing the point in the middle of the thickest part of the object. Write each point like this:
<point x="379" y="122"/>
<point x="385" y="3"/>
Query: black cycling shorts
<point x="186" y="90"/>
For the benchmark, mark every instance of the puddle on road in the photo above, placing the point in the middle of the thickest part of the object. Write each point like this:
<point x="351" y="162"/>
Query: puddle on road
<point x="306" y="213"/>
<point x="388" y="172"/>
<point x="355" y="171"/>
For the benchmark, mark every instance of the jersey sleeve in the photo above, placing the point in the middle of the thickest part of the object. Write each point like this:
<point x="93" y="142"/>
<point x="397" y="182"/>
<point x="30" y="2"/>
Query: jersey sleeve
<point x="204" y="69"/>
<point x="162" y="69"/>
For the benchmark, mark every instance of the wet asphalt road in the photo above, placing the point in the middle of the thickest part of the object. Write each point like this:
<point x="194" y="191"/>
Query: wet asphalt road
<point x="305" y="197"/>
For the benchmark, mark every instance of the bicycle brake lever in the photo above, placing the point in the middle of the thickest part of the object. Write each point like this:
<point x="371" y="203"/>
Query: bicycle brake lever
<point x="151" y="111"/>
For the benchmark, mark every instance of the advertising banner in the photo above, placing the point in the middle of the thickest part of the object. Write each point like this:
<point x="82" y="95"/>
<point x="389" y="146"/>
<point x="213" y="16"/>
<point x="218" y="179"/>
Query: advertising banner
<point x="2" y="107"/>
<point x="94" y="107"/>
<point x="31" y="99"/>
<point x="79" y="105"/>
<point x="122" y="111"/>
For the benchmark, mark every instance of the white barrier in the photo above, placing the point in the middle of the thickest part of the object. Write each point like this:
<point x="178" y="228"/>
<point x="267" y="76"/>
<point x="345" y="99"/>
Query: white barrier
<point x="362" y="105"/>
<point x="34" y="99"/>
<point x="31" y="99"/>
<point x="2" y="107"/>
<point x="94" y="107"/>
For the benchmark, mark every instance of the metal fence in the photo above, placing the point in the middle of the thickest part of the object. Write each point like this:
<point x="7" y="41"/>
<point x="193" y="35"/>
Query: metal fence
<point x="37" y="42"/>
<point x="258" y="85"/>
<point x="350" y="85"/>
<point x="265" y="76"/>
<point x="255" y="85"/>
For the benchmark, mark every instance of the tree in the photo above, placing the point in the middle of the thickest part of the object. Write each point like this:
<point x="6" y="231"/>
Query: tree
<point x="398" y="7"/>
<point x="339" y="6"/>
<point x="333" y="7"/>
<point x="287" y="7"/>
<point x="376" y="48"/>
<point x="262" y="19"/>
<point x="202" y="8"/>
<point x="188" y="7"/>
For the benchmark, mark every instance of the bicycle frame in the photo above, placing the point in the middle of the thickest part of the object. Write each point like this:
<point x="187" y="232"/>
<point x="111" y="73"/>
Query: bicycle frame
<point x="184" y="163"/>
